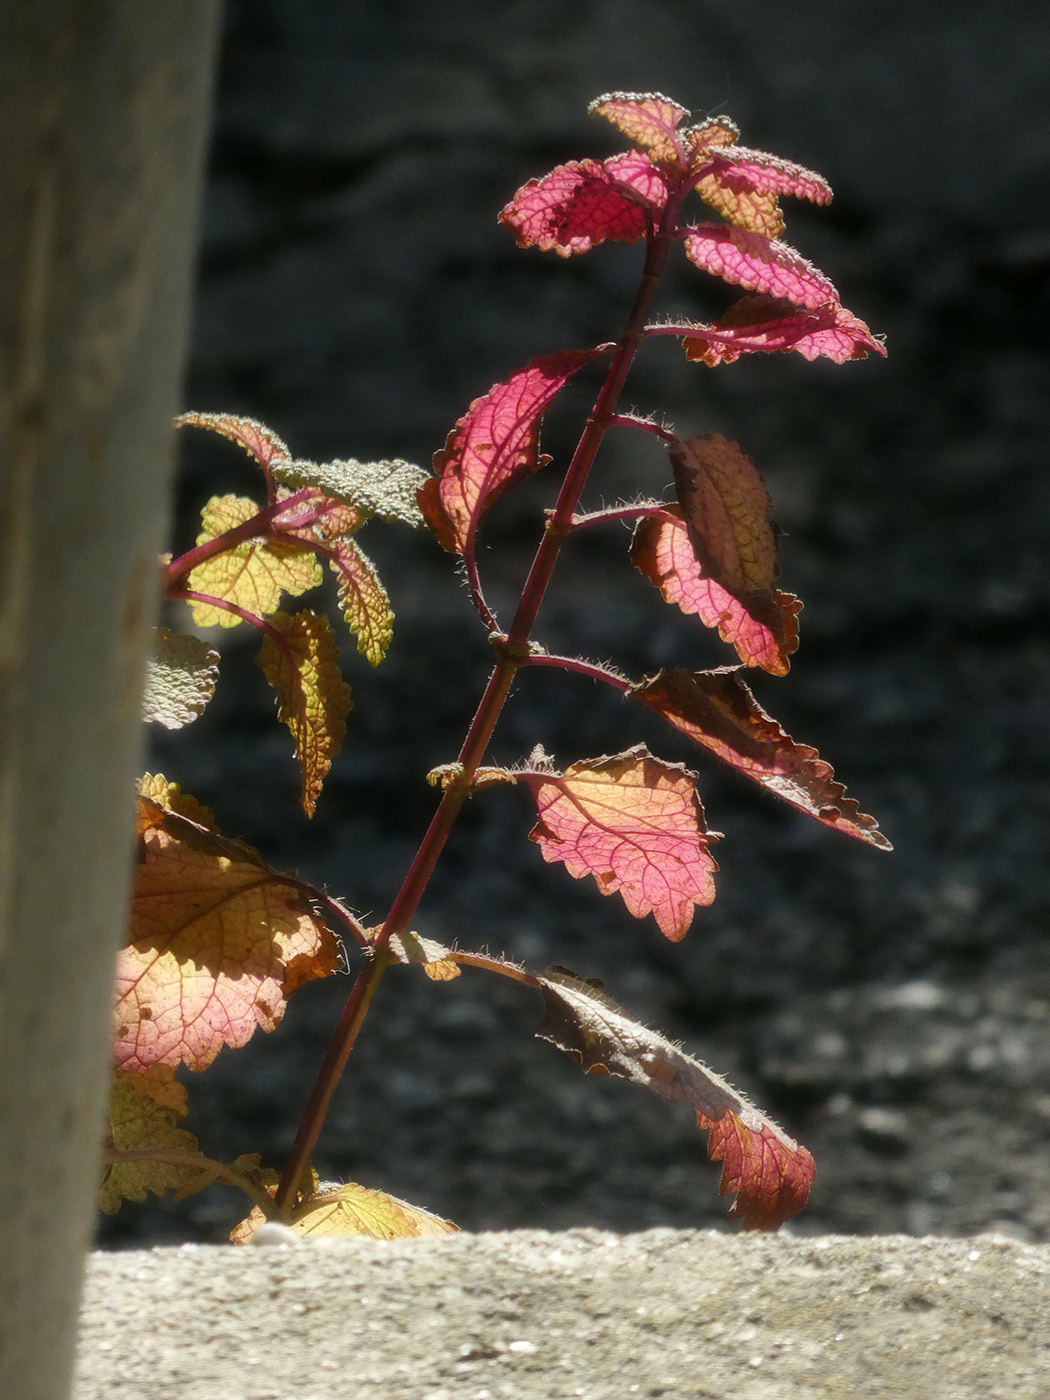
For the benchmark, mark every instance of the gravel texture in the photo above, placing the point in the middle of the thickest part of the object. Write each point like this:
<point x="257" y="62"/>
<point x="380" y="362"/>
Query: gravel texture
<point x="538" y="1316"/>
<point x="892" y="1011"/>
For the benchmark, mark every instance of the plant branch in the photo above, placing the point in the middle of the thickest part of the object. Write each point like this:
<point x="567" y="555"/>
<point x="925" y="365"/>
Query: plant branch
<point x="357" y="1004"/>
<point x="596" y="672"/>
<point x="258" y="524"/>
<point x="604" y="517"/>
<point x="207" y="1167"/>
<point x="512" y="652"/>
<point x="189" y="595"/>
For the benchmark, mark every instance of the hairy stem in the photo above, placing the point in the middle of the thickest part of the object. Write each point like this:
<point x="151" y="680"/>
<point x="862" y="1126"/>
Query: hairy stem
<point x="357" y="1004"/>
<point x="258" y="524"/>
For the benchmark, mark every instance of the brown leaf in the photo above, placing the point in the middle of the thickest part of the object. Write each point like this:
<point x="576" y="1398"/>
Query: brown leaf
<point x="718" y="710"/>
<point x="770" y="1173"/>
<point x="725" y="505"/>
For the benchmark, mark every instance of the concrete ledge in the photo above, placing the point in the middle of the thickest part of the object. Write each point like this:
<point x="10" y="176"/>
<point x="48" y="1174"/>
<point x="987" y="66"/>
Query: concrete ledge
<point x="540" y="1316"/>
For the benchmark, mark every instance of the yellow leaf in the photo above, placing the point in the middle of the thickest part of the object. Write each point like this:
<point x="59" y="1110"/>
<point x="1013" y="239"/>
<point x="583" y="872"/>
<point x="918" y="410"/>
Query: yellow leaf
<point x="353" y="1210"/>
<point x="314" y="700"/>
<point x="144" y="1109"/>
<point x="364" y="600"/>
<point x="252" y="574"/>
<point x="156" y="787"/>
<point x="217" y="944"/>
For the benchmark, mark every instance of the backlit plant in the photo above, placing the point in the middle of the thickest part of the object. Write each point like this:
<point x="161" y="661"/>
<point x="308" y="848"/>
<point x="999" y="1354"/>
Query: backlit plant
<point x="218" y="941"/>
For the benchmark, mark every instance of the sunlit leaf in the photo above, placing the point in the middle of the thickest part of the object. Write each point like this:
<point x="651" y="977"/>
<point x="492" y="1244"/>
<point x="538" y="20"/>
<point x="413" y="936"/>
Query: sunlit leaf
<point x="387" y="489"/>
<point x="718" y="710"/>
<point x="725" y="508"/>
<point x="584" y="202"/>
<point x="257" y="440"/>
<point x="252" y="574"/>
<point x="744" y="187"/>
<point x="758" y="263"/>
<point x="770" y="1173"/>
<point x="216" y="945"/>
<point x="708" y="137"/>
<point x="163" y="795"/>
<point x="764" y="629"/>
<point x="646" y="118"/>
<point x="366" y="606"/>
<point x="314" y="700"/>
<point x="636" y="824"/>
<point x="434" y="958"/>
<point x="761" y="324"/>
<point x="144" y="1109"/>
<point x="180" y="679"/>
<point x="353" y="1210"/>
<point x="493" y="445"/>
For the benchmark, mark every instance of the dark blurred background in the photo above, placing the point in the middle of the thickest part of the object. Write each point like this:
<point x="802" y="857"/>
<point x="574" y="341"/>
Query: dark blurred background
<point x="893" y="1011"/>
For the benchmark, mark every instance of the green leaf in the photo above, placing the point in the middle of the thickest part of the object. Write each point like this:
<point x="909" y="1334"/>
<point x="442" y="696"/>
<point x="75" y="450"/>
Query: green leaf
<point x="387" y="489"/>
<point x="180" y="679"/>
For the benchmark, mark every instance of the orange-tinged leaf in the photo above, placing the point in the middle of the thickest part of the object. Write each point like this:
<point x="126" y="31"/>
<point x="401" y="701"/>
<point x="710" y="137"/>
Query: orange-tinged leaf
<point x="758" y="211"/>
<point x="493" y="445"/>
<point x="435" y="959"/>
<point x="163" y="794"/>
<point x="763" y="627"/>
<point x="366" y="606"/>
<point x="353" y="1210"/>
<point x="313" y="698"/>
<point x="725" y="507"/>
<point x="217" y="944"/>
<point x="718" y="710"/>
<point x="144" y="1109"/>
<point x="770" y="1173"/>
<point x="765" y="324"/>
<point x="646" y="118"/>
<point x="180" y="679"/>
<point x="252" y="574"/>
<point x="256" y="439"/>
<point x="636" y="824"/>
<point x="710" y="136"/>
<point x="744" y="187"/>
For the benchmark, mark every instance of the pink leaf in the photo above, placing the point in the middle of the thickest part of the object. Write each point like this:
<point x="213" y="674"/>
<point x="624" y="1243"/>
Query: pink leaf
<point x="758" y="170"/>
<point x="764" y="631"/>
<point x="584" y="202"/>
<point x="256" y="439"/>
<point x="493" y="445"/>
<point x="765" y="324"/>
<point x="716" y="709"/>
<point x="636" y="824"/>
<point x="744" y="187"/>
<point x="769" y="1171"/>
<point x="641" y="180"/>
<point x="646" y="118"/>
<point x="758" y="263"/>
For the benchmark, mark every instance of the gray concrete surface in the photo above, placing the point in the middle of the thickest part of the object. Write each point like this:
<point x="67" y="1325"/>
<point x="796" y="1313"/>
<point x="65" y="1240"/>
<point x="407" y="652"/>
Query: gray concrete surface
<point x="582" y="1313"/>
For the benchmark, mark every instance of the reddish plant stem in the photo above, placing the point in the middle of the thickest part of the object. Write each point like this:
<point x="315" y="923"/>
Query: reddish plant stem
<point x="189" y="595"/>
<point x="559" y="524"/>
<point x="604" y="517"/>
<point x="357" y="1004"/>
<point x="258" y="524"/>
<point x="583" y="668"/>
